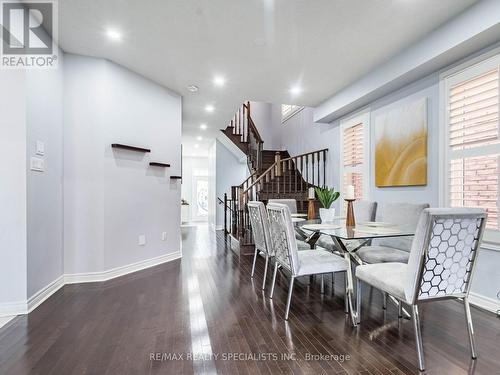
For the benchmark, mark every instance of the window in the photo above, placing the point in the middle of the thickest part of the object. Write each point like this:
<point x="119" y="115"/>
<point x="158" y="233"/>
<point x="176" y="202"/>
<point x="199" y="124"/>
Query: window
<point x="472" y="161"/>
<point x="355" y="156"/>
<point x="288" y="110"/>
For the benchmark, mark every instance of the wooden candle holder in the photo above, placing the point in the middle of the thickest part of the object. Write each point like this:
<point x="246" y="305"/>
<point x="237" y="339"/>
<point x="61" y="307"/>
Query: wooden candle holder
<point x="311" y="210"/>
<point x="350" y="221"/>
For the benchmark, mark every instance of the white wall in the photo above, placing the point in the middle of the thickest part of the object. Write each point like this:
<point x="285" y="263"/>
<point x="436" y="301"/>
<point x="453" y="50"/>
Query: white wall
<point x="262" y="117"/>
<point x="113" y="196"/>
<point x="212" y="185"/>
<point x="13" y="227"/>
<point x="191" y="167"/>
<point x="44" y="90"/>
<point x="229" y="171"/>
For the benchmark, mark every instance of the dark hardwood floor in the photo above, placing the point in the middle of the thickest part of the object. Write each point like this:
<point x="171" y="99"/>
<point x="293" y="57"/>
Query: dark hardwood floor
<point x="191" y="316"/>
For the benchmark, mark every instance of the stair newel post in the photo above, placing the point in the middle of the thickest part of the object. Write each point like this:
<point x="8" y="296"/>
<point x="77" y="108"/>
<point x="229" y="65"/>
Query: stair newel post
<point x="318" y="155"/>
<point x="324" y="168"/>
<point x="296" y="172"/>
<point x="225" y="214"/>
<point x="313" y="171"/>
<point x="234" y="225"/>
<point x="277" y="160"/>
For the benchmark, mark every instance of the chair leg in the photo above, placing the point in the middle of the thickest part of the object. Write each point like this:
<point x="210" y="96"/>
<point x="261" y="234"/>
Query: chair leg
<point x="470" y="328"/>
<point x="290" y="291"/>
<point x="322" y="290"/>
<point x="333" y="279"/>
<point x="358" y="301"/>
<point x="400" y="309"/>
<point x="274" y="278"/>
<point x="346" y="297"/>
<point x="418" y="338"/>
<point x="265" y="272"/>
<point x="384" y="300"/>
<point x="254" y="260"/>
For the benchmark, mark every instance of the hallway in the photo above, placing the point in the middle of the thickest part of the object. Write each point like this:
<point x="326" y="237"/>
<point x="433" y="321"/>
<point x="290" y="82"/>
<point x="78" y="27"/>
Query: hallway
<point x="204" y="315"/>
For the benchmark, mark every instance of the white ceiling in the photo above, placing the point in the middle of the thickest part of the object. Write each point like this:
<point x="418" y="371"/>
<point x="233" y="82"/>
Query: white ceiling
<point x="262" y="47"/>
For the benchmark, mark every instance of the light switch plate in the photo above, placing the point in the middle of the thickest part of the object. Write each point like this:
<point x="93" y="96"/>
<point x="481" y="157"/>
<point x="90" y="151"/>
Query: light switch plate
<point x="37" y="164"/>
<point x="40" y="148"/>
<point x="163" y="236"/>
<point x="142" y="240"/>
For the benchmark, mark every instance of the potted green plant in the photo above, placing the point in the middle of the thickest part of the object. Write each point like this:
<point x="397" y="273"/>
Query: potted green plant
<point x="327" y="196"/>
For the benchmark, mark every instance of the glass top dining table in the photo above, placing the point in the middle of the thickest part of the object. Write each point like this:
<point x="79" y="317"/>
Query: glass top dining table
<point x="360" y="235"/>
<point x="361" y="231"/>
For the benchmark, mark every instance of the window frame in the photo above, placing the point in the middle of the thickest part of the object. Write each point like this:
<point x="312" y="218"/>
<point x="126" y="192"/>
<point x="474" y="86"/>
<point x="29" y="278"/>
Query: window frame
<point x="448" y="78"/>
<point x="364" y="118"/>
<point x="292" y="113"/>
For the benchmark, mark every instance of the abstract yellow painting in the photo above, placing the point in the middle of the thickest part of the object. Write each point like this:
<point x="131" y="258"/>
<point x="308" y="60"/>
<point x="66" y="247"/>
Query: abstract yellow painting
<point x="401" y="145"/>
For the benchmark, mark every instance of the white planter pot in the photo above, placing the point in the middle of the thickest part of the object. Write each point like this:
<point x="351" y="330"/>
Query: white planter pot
<point x="326" y="214"/>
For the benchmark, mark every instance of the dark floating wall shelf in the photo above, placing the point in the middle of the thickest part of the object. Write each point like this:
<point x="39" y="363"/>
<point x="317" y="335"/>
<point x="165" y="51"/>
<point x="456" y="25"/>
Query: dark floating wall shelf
<point x="130" y="148"/>
<point x="156" y="164"/>
<point x="175" y="177"/>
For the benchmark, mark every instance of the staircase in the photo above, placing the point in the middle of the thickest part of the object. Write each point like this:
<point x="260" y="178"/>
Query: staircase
<point x="274" y="174"/>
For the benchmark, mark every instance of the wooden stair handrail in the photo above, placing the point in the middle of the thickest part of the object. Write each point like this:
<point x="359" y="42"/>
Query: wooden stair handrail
<point x="248" y="179"/>
<point x="275" y="164"/>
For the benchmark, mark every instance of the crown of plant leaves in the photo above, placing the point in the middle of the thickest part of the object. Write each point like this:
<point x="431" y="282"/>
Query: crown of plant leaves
<point x="326" y="196"/>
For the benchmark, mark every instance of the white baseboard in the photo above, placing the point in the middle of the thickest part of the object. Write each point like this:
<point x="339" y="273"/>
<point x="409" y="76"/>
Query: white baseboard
<point x="92" y="277"/>
<point x="10" y="309"/>
<point x="13" y="308"/>
<point x="486" y="303"/>
<point x="36" y="299"/>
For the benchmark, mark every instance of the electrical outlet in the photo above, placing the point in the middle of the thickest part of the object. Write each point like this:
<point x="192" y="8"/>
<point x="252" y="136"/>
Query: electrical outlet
<point x="142" y="240"/>
<point x="37" y="164"/>
<point x="163" y="236"/>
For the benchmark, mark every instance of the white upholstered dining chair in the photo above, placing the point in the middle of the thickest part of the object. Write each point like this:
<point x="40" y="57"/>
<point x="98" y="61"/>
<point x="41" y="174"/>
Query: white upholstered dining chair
<point x="262" y="238"/>
<point x="441" y="265"/>
<point x="297" y="263"/>
<point x="393" y="249"/>
<point x="291" y="203"/>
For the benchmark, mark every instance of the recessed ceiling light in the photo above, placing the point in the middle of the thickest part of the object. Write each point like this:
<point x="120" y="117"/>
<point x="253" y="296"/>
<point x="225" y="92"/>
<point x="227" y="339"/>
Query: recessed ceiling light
<point x="219" y="81"/>
<point x="203" y="126"/>
<point x="209" y="108"/>
<point x="196" y="145"/>
<point x="199" y="138"/>
<point x="114" y="34"/>
<point x="295" y="90"/>
<point x="192" y="88"/>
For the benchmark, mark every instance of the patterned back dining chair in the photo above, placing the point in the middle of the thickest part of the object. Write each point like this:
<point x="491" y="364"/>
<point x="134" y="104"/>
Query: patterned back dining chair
<point x="297" y="263"/>
<point x="441" y="265"/>
<point x="262" y="238"/>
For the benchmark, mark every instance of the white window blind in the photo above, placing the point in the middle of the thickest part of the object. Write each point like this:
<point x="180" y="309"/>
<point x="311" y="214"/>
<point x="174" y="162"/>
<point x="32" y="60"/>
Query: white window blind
<point x="288" y="110"/>
<point x="353" y="159"/>
<point x="474" y="139"/>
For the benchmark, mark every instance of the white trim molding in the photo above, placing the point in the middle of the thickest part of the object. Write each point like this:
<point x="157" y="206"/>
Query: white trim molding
<point x="485" y="303"/>
<point x="13" y="308"/>
<point x="9" y="309"/>
<point x="39" y="297"/>
<point x="92" y="277"/>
